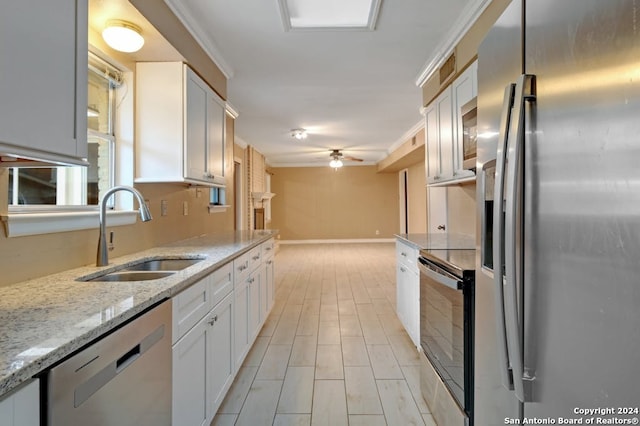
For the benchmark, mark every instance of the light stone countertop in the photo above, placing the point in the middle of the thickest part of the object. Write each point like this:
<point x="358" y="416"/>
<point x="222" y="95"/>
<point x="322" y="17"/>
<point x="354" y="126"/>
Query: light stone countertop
<point x="45" y="319"/>
<point x="443" y="241"/>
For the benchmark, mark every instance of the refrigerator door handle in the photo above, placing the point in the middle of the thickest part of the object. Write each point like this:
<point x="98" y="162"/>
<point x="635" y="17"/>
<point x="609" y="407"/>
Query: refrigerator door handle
<point x="513" y="223"/>
<point x="498" y="238"/>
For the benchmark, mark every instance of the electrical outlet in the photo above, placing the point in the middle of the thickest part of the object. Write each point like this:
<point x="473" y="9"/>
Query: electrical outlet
<point x="185" y="208"/>
<point x="198" y="192"/>
<point x="163" y="207"/>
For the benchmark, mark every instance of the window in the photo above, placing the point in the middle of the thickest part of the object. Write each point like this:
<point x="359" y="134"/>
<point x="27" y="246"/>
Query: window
<point x="76" y="186"/>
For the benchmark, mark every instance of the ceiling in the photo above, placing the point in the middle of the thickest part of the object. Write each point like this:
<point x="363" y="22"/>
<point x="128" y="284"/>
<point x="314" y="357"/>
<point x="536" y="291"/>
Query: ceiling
<point x="351" y="90"/>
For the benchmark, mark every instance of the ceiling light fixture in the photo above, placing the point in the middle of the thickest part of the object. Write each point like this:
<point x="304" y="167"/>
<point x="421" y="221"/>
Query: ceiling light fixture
<point x="299" y="133"/>
<point x="123" y="36"/>
<point x="335" y="163"/>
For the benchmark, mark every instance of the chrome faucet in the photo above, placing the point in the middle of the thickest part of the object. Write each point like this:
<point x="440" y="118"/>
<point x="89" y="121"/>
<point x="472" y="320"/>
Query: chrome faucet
<point x="145" y="215"/>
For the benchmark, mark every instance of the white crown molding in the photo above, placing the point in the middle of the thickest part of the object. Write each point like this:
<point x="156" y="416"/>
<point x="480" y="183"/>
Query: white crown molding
<point x="231" y="110"/>
<point x="240" y="142"/>
<point x="464" y="22"/>
<point x="187" y="19"/>
<point x="406" y="136"/>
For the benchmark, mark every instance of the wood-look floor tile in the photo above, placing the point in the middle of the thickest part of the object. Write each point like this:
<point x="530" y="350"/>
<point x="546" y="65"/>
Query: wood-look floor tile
<point x="269" y="326"/>
<point x="405" y="351"/>
<point x="347" y="307"/>
<point x="297" y="391"/>
<point x="274" y="363"/>
<point x="383" y="362"/>
<point x="367" y="420"/>
<point x="373" y="332"/>
<point x="285" y="332"/>
<point x="308" y="325"/>
<point x="354" y="351"/>
<point x="329" y="404"/>
<point x="329" y="362"/>
<point x="224" y="420"/>
<point x="350" y="326"/>
<point x="382" y="305"/>
<point x="303" y="353"/>
<point x="260" y="406"/>
<point x="397" y="401"/>
<point x="292" y="420"/>
<point x="329" y="332"/>
<point x="412" y="377"/>
<point x="236" y="395"/>
<point x="428" y="420"/>
<point x="362" y="395"/>
<point x="254" y="357"/>
<point x="392" y="325"/>
<point x="329" y="311"/>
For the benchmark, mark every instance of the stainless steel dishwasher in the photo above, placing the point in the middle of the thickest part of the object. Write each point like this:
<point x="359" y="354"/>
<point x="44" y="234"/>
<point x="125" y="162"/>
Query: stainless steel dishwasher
<point x="120" y="380"/>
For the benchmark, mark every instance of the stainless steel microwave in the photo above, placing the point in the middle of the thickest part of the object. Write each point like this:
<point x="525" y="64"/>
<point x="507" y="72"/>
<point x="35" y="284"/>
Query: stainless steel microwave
<point x="469" y="113"/>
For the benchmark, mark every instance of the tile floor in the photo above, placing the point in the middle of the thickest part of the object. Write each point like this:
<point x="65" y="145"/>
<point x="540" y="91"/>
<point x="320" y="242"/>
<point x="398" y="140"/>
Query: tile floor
<point x="332" y="351"/>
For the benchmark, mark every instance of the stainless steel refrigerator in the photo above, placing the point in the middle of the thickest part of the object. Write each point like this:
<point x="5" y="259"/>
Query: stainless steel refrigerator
<point x="557" y="328"/>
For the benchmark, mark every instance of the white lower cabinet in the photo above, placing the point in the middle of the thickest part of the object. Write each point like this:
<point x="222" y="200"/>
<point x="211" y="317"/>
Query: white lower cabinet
<point x="21" y="407"/>
<point x="241" y="321"/>
<point x="203" y="366"/>
<point x="408" y="290"/>
<point x="215" y="322"/>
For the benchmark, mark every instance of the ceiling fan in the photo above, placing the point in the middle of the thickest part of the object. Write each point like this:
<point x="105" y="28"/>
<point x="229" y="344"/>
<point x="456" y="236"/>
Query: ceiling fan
<point x="337" y="157"/>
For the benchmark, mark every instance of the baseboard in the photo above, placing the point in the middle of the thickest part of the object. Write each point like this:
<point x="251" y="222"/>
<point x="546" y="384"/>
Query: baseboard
<point x="340" y="241"/>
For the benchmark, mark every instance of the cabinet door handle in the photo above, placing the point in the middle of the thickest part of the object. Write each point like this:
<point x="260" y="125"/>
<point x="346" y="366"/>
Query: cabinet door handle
<point x="213" y="320"/>
<point x="402" y="269"/>
<point x="251" y="280"/>
<point x="403" y="254"/>
<point x="442" y="227"/>
<point x="268" y="248"/>
<point x="269" y="262"/>
<point x="256" y="257"/>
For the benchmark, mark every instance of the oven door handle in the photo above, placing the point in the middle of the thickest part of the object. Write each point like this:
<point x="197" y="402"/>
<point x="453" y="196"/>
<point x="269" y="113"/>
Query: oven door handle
<point x="440" y="276"/>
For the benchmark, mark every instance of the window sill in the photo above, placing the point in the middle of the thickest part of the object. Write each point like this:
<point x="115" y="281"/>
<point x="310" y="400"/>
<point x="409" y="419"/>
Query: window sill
<point x="22" y="224"/>
<point x="218" y="208"/>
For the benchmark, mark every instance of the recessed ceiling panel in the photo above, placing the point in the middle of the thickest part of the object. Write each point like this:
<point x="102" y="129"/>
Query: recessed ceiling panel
<point x="329" y="14"/>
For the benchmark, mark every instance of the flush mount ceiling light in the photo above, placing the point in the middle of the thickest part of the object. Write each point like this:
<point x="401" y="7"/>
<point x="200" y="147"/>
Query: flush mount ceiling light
<point x="123" y="36"/>
<point x="299" y="134"/>
<point x="329" y="14"/>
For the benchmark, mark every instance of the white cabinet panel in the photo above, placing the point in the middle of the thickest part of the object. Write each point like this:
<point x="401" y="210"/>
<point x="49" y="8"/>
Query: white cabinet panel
<point x="443" y="121"/>
<point x="189" y="306"/>
<point x="21" y="407"/>
<point x="408" y="289"/>
<point x="180" y="126"/>
<point x="220" y="348"/>
<point x="43" y="89"/>
<point x="241" y="322"/>
<point x="189" y="377"/>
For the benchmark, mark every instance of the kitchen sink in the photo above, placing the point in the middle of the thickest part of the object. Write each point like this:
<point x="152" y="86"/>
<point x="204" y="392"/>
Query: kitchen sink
<point x="163" y="265"/>
<point x="146" y="270"/>
<point x="133" y="276"/>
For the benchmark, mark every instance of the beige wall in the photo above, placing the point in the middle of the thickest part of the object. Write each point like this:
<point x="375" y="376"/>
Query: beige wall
<point x="417" y="201"/>
<point x="23" y="258"/>
<point x="322" y="203"/>
<point x="461" y="209"/>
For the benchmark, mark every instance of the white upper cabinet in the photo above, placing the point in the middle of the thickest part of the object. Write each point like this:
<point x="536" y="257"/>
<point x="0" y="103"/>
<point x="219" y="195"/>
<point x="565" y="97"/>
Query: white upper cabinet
<point x="180" y="126"/>
<point x="443" y="122"/>
<point x="43" y="84"/>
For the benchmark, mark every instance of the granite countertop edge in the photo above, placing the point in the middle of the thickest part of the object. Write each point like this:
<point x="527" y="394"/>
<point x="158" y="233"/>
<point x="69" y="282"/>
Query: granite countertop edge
<point x="46" y="319"/>
<point x="443" y="241"/>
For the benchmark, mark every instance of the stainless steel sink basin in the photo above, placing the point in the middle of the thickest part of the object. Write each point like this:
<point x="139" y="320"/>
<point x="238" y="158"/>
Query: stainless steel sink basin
<point x="133" y="276"/>
<point x="163" y="265"/>
<point x="151" y="269"/>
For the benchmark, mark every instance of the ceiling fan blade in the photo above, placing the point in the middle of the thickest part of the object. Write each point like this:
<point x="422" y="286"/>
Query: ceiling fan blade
<point x="352" y="158"/>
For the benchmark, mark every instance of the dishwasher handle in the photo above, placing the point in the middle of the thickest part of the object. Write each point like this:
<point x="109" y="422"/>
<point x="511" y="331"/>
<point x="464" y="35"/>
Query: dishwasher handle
<point x="90" y="386"/>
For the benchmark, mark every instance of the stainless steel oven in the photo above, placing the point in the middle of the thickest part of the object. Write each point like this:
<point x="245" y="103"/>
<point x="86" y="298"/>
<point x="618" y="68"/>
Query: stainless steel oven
<point x="446" y="320"/>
